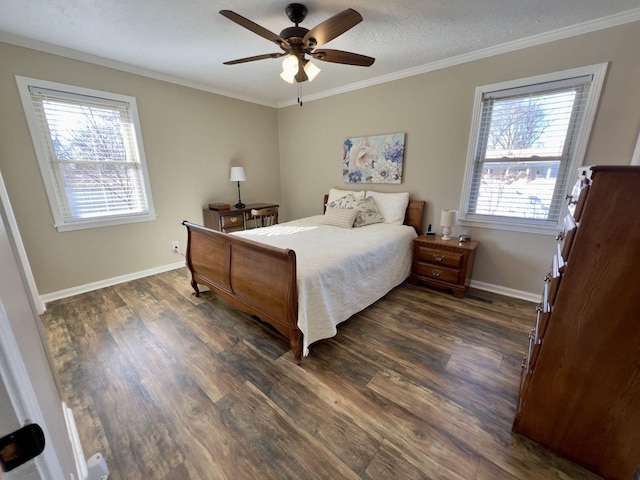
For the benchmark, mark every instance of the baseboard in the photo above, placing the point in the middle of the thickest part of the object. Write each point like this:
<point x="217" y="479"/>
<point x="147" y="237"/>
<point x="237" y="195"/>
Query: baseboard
<point x="508" y="292"/>
<point x="78" y="453"/>
<point x="89" y="287"/>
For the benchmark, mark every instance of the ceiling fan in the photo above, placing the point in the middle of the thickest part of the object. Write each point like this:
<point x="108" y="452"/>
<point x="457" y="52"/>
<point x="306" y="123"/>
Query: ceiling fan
<point x="297" y="42"/>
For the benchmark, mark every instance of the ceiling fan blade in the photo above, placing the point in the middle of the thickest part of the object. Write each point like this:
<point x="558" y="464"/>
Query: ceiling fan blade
<point x="332" y="27"/>
<point x="254" y="27"/>
<point x="347" y="58"/>
<point x="254" y="58"/>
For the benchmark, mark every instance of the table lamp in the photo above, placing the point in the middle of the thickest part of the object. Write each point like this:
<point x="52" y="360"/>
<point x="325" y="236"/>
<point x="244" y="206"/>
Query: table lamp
<point x="447" y="220"/>
<point x="237" y="175"/>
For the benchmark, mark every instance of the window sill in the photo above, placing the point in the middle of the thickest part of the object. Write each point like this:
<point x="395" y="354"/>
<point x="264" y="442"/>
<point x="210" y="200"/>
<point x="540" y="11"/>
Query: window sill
<point x="109" y="222"/>
<point x="511" y="227"/>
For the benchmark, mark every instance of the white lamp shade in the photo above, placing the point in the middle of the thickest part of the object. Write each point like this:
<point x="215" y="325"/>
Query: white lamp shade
<point x="290" y="64"/>
<point x="448" y="218"/>
<point x="311" y="70"/>
<point x="289" y="78"/>
<point x="237" y="174"/>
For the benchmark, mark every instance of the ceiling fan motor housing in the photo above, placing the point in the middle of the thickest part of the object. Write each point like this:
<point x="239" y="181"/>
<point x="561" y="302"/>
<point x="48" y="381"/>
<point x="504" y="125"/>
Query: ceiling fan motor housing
<point x="296" y="13"/>
<point x="293" y="32"/>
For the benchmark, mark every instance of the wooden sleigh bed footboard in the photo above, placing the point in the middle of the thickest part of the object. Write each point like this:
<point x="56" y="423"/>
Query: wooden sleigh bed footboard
<point x="256" y="278"/>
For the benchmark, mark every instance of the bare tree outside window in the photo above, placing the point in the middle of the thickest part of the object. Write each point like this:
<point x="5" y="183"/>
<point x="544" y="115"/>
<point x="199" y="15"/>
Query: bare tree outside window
<point x="517" y="124"/>
<point x="90" y="147"/>
<point x="525" y="139"/>
<point x="90" y="153"/>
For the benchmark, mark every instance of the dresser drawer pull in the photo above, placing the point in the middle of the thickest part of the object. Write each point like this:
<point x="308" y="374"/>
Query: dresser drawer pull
<point x="436" y="273"/>
<point x="233" y="219"/>
<point x="438" y="258"/>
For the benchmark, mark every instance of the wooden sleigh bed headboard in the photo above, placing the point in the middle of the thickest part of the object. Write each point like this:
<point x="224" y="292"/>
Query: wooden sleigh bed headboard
<point x="227" y="265"/>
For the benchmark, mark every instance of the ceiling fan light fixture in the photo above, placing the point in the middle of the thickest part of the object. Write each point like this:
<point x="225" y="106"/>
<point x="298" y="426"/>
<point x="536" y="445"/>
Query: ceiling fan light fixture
<point x="289" y="68"/>
<point x="311" y="70"/>
<point x="290" y="65"/>
<point x="288" y="77"/>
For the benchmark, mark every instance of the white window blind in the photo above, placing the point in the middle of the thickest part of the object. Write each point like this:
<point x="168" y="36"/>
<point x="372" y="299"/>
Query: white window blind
<point x="526" y="146"/>
<point x="90" y="156"/>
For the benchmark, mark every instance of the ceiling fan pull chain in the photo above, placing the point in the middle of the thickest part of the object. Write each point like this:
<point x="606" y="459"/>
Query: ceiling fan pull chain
<point x="299" y="93"/>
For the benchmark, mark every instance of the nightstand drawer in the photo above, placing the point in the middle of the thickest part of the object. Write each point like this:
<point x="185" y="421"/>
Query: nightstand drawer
<point x="440" y="257"/>
<point x="235" y="220"/>
<point x="437" y="272"/>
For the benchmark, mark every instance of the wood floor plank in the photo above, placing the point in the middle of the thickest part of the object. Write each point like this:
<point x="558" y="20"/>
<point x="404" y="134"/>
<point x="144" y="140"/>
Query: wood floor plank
<point x="309" y="411"/>
<point x="391" y="463"/>
<point x="404" y="428"/>
<point x="419" y="385"/>
<point x="277" y="439"/>
<point x="209" y="445"/>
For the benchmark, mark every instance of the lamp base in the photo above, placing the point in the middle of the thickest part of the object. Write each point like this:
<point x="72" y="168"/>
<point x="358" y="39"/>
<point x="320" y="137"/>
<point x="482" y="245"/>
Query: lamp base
<point x="240" y="205"/>
<point x="446" y="232"/>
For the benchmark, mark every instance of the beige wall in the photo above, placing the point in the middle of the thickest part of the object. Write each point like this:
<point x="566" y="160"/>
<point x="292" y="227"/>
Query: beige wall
<point x="292" y="155"/>
<point x="190" y="138"/>
<point x="434" y="110"/>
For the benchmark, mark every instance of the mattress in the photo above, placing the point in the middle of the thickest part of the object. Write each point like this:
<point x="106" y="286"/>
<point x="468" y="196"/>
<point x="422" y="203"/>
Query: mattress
<point x="340" y="271"/>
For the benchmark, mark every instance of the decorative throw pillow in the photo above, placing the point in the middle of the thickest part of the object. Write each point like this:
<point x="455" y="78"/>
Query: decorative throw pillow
<point x="335" y="194"/>
<point x="340" y="217"/>
<point x="367" y="212"/>
<point x="347" y="201"/>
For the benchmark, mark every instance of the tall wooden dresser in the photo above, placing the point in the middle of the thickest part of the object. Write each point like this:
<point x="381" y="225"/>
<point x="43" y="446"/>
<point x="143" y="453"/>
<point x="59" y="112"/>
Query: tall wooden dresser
<point x="580" y="389"/>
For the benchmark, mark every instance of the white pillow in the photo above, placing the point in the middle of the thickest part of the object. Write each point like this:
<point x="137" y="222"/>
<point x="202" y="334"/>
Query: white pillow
<point x="392" y="206"/>
<point x="340" y="217"/>
<point x="335" y="194"/>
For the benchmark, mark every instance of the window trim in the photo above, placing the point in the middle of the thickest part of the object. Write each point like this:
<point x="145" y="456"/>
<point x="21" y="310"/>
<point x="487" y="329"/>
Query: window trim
<point x="50" y="183"/>
<point x="598" y="72"/>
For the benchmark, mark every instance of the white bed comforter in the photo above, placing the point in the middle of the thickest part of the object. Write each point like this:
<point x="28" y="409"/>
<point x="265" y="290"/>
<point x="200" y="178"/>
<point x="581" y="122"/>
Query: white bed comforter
<point x="340" y="271"/>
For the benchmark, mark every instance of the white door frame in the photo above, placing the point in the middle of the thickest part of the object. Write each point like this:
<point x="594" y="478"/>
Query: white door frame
<point x="28" y="391"/>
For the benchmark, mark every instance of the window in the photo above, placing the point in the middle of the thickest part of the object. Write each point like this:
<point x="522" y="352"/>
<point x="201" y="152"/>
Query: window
<point x="89" y="148"/>
<point x="528" y="138"/>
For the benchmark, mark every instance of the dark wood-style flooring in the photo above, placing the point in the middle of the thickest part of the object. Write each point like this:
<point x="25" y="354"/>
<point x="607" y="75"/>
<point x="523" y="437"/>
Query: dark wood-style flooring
<point x="419" y="385"/>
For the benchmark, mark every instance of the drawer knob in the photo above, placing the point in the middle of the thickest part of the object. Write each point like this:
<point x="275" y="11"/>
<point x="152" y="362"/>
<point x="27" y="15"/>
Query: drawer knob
<point x="233" y="219"/>
<point x="438" y="258"/>
<point x="436" y="273"/>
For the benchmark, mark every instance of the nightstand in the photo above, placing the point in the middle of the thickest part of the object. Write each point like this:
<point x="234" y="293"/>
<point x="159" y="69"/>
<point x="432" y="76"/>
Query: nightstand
<point x="232" y="220"/>
<point x="443" y="264"/>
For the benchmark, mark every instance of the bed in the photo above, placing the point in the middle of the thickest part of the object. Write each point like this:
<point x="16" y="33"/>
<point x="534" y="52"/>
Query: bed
<point x="304" y="277"/>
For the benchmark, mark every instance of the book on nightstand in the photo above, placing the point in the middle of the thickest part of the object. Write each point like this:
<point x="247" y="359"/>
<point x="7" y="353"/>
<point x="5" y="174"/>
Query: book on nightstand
<point x="219" y="206"/>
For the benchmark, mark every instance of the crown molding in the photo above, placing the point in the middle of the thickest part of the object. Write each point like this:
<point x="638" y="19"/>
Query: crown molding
<point x="125" y="67"/>
<point x="622" y="18"/>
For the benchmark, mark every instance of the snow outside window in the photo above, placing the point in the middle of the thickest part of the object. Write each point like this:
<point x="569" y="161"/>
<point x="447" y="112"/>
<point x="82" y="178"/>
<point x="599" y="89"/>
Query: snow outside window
<point x="527" y="140"/>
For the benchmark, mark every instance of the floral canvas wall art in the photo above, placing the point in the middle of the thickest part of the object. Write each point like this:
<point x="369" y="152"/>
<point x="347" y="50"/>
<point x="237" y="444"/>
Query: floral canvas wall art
<point x="375" y="159"/>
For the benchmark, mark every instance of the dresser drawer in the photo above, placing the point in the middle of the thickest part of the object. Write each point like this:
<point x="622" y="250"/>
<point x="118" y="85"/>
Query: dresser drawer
<point x="440" y="257"/>
<point x="229" y="221"/>
<point x="437" y="272"/>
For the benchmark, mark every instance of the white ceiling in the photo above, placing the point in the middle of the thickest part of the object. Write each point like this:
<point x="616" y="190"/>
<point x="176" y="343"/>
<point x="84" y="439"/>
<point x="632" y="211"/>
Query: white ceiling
<point x="186" y="41"/>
